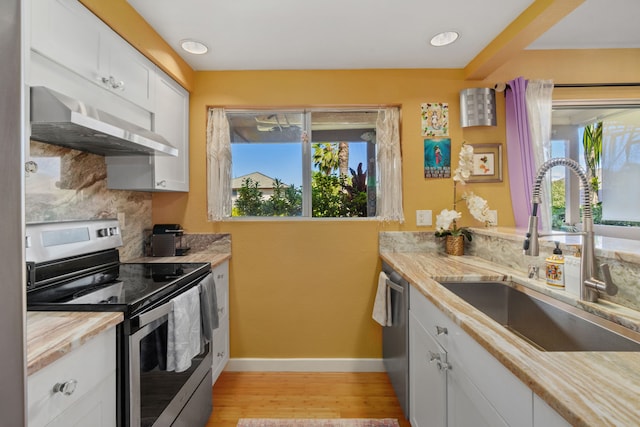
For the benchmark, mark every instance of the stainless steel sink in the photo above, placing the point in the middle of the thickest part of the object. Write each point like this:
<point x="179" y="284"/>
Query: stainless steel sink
<point x="544" y="322"/>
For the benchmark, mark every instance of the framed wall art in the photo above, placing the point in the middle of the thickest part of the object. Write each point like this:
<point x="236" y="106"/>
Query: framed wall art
<point x="435" y="119"/>
<point x="437" y="158"/>
<point x="487" y="163"/>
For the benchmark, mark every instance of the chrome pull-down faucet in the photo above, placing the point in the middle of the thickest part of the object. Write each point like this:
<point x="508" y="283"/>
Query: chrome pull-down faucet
<point x="589" y="285"/>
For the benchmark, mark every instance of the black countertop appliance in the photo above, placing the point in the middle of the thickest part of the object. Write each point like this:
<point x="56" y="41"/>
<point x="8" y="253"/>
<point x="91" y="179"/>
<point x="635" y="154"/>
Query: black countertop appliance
<point x="167" y="240"/>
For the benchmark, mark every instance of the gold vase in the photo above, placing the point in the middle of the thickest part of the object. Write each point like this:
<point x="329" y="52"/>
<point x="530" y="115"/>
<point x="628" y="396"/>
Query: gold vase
<point x="454" y="245"/>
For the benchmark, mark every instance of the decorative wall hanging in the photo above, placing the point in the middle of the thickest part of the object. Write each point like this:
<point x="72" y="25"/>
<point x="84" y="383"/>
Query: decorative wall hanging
<point x="437" y="158"/>
<point x="477" y="107"/>
<point x="487" y="163"/>
<point x="435" y="119"/>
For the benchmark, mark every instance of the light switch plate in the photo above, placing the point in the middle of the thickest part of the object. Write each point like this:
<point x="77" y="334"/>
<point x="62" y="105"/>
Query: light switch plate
<point x="424" y="218"/>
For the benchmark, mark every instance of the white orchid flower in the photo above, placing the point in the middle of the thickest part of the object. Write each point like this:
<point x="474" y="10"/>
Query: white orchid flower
<point x="446" y="218"/>
<point x="478" y="207"/>
<point x="465" y="164"/>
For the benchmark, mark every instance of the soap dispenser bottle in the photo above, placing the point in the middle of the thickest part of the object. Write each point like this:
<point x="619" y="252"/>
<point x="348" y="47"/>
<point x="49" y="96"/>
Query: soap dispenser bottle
<point x="555" y="268"/>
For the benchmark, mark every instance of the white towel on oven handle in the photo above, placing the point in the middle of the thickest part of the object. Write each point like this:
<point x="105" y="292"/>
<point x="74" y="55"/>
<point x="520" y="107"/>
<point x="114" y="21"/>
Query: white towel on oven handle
<point x="184" y="330"/>
<point x="382" y="302"/>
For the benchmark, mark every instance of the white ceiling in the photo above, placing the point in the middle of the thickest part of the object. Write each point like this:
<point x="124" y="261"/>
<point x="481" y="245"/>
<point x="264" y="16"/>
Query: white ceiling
<point x="356" y="34"/>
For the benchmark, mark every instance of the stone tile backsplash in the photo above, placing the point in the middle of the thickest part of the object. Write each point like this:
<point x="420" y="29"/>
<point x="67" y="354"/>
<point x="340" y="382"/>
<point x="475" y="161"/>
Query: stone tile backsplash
<point x="72" y="185"/>
<point x="504" y="247"/>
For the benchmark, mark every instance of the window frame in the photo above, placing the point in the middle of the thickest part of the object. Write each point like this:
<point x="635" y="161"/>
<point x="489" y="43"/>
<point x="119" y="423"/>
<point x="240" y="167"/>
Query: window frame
<point x="572" y="197"/>
<point x="307" y="159"/>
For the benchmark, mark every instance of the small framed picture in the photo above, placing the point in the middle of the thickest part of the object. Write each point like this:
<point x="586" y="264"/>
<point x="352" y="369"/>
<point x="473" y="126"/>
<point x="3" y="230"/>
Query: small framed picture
<point x="435" y="119"/>
<point x="487" y="163"/>
<point x="437" y="158"/>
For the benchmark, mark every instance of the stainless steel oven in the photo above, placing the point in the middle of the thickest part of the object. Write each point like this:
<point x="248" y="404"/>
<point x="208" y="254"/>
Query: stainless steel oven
<point x="158" y="395"/>
<point x="75" y="266"/>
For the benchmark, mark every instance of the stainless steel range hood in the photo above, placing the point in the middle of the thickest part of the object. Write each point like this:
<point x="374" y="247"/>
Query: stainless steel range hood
<point x="61" y="120"/>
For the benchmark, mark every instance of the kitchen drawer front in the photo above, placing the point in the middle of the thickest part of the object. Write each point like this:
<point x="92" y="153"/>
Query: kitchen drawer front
<point x="89" y="365"/>
<point x="430" y="317"/>
<point x="95" y="408"/>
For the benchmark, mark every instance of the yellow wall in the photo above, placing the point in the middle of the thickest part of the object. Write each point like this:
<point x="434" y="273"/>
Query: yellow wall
<point x="305" y="288"/>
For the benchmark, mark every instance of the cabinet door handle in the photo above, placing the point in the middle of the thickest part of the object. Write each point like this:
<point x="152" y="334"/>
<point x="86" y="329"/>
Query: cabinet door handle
<point x="162" y="183"/>
<point x="113" y="83"/>
<point x="434" y="357"/>
<point x="67" y="388"/>
<point x="221" y="354"/>
<point x="444" y="366"/>
<point x="440" y="330"/>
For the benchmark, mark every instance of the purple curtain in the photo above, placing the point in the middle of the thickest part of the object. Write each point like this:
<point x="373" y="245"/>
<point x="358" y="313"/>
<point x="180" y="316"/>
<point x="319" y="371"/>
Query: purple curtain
<point x="520" y="159"/>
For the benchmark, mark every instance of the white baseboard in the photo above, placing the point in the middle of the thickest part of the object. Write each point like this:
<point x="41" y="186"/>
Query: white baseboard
<point x="304" y="365"/>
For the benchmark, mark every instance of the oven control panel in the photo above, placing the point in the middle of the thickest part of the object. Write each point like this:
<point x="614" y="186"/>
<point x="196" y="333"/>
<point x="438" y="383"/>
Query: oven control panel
<point x="47" y="241"/>
<point x="108" y="231"/>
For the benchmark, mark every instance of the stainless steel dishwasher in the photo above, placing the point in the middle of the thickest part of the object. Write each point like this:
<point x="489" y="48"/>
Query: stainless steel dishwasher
<point x="395" y="338"/>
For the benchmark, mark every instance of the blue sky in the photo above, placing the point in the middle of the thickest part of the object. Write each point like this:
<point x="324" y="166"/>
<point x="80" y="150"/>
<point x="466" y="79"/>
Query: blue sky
<point x="282" y="160"/>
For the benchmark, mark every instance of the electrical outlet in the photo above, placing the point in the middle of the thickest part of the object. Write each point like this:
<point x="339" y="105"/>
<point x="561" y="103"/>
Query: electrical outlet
<point x="424" y="218"/>
<point x="493" y="214"/>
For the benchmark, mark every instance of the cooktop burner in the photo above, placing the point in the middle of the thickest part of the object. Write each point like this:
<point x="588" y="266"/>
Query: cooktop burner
<point x="135" y="286"/>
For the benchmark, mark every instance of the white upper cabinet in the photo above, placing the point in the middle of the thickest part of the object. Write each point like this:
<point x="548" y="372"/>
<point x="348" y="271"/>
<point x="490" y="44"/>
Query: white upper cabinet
<point x="75" y="53"/>
<point x="128" y="72"/>
<point x="172" y="121"/>
<point x="67" y="33"/>
<point x="159" y="172"/>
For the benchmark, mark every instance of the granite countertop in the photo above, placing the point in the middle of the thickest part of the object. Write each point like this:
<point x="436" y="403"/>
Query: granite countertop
<point x="52" y="334"/>
<point x="213" y="258"/>
<point x="586" y="388"/>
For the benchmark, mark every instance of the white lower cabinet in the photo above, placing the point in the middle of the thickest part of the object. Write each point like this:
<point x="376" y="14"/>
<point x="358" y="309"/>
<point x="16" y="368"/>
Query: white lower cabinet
<point x="428" y="380"/>
<point x="450" y="373"/>
<point x="78" y="389"/>
<point x="467" y="406"/>
<point x="220" y="340"/>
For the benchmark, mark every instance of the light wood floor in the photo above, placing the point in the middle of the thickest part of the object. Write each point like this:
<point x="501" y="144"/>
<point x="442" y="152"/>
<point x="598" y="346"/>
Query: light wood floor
<point x="303" y="395"/>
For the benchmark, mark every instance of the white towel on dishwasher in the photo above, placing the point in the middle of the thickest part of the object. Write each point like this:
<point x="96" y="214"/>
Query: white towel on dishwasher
<point x="184" y="330"/>
<point x="382" y="303"/>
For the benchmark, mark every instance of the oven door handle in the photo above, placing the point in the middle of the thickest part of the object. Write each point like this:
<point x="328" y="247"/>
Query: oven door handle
<point x="156" y="313"/>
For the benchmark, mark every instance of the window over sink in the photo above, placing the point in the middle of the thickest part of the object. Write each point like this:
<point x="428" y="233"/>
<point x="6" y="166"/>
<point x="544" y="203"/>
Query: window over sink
<point x="615" y="128"/>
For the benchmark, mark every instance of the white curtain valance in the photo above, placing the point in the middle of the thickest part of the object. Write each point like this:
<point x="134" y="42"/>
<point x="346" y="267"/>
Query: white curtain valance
<point x="218" y="165"/>
<point x="389" y="164"/>
<point x="539" y="105"/>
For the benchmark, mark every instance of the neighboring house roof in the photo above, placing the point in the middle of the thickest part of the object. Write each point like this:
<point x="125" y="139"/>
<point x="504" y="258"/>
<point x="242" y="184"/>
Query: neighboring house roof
<point x="264" y="181"/>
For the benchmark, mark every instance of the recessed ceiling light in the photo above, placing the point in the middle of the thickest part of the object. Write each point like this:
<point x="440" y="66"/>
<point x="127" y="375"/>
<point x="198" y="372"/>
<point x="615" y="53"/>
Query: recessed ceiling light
<point x="444" y="38"/>
<point x="193" y="46"/>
